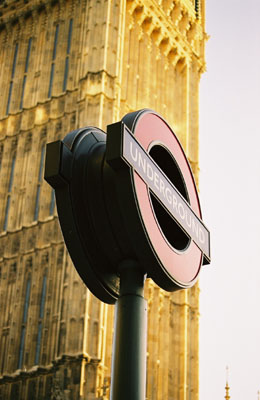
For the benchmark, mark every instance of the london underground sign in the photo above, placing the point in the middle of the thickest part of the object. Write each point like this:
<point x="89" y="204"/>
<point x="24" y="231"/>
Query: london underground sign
<point x="128" y="194"/>
<point x="166" y="198"/>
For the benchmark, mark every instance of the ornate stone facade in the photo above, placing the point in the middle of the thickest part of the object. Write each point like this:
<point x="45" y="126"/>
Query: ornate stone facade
<point x="66" y="64"/>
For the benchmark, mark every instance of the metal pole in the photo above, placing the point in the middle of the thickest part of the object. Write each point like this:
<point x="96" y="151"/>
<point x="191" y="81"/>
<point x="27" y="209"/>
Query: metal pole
<point x="129" y="347"/>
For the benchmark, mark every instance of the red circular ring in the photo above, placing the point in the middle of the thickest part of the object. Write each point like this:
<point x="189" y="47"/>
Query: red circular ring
<point x="182" y="266"/>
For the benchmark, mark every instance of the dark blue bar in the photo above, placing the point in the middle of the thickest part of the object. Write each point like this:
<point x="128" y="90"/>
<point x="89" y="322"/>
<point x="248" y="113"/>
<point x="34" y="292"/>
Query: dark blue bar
<point x="11" y="179"/>
<point x="28" y="54"/>
<point x="41" y="164"/>
<point x="9" y="97"/>
<point x="14" y="60"/>
<point x="51" y="79"/>
<point x="66" y="73"/>
<point x="26" y="303"/>
<point x="21" y="348"/>
<point x="43" y="296"/>
<point x="38" y="344"/>
<point x="22" y="96"/>
<point x="55" y="43"/>
<point x="36" y="211"/>
<point x="69" y="36"/>
<point x="7" y="208"/>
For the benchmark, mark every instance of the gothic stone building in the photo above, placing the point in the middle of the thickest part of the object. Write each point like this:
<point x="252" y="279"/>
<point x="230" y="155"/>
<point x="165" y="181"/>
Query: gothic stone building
<point x="66" y="64"/>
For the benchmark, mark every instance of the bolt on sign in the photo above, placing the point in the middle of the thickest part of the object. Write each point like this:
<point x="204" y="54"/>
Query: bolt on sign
<point x="128" y="194"/>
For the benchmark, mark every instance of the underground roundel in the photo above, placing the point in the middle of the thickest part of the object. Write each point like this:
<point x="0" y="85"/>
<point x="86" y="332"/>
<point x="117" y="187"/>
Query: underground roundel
<point x="129" y="194"/>
<point x="166" y="198"/>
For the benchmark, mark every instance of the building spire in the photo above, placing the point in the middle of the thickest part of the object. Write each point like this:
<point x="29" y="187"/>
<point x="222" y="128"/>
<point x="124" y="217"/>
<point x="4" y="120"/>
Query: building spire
<point x="227" y="397"/>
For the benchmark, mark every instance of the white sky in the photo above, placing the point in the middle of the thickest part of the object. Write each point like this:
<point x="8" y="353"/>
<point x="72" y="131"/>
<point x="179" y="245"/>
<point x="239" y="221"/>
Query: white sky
<point x="230" y="194"/>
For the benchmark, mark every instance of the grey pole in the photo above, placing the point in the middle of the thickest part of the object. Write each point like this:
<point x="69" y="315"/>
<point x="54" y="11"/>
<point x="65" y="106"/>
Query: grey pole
<point x="129" y="346"/>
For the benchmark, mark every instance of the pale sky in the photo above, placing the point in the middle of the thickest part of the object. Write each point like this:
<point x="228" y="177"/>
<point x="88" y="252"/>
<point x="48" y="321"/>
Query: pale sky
<point x="230" y="199"/>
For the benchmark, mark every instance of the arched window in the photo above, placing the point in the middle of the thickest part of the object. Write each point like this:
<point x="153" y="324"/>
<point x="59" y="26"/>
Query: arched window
<point x="24" y="322"/>
<point x="40" y="321"/>
<point x="26" y="71"/>
<point x="12" y="79"/>
<point x="53" y="59"/>
<point x="67" y="59"/>
<point x="9" y="193"/>
<point x="39" y="184"/>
